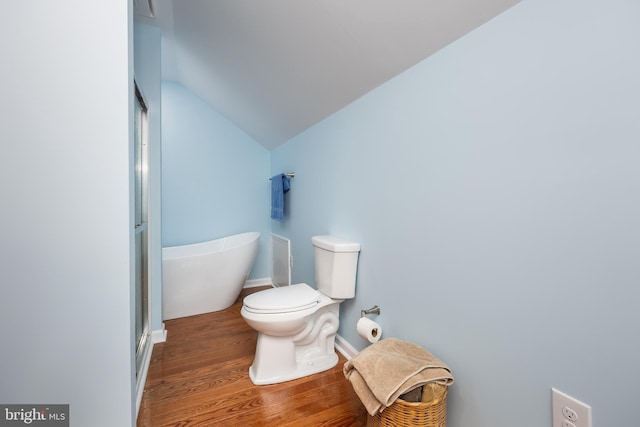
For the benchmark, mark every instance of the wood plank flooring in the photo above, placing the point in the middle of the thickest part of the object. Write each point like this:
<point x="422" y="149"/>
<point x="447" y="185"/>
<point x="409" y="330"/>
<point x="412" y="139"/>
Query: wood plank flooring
<point x="199" y="377"/>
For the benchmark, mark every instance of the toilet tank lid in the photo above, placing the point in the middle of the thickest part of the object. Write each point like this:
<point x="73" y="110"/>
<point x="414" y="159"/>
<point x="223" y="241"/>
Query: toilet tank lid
<point x="335" y="244"/>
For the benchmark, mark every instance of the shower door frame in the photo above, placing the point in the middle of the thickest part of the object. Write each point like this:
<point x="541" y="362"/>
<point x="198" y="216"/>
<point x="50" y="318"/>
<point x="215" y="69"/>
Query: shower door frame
<point x="141" y="230"/>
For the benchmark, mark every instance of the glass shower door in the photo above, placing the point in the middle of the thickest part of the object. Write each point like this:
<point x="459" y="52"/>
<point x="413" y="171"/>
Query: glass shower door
<point x="141" y="147"/>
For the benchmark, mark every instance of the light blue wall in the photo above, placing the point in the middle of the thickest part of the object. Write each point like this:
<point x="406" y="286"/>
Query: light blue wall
<point x="147" y="74"/>
<point x="215" y="178"/>
<point x="66" y="223"/>
<point x="495" y="189"/>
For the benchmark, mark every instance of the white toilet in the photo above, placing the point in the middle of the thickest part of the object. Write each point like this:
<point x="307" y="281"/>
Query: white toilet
<point x="297" y="324"/>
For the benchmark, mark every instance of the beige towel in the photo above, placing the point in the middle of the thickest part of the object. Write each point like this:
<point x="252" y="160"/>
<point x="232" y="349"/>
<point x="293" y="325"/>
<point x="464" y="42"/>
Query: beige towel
<point x="385" y="370"/>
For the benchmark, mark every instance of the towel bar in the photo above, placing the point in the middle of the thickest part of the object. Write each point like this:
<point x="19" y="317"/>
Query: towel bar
<point x="289" y="174"/>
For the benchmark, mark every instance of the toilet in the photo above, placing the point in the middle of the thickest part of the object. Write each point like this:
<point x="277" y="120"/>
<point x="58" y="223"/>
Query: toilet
<point x="297" y="324"/>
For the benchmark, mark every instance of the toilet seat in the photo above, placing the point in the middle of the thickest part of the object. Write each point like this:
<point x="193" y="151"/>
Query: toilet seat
<point x="282" y="300"/>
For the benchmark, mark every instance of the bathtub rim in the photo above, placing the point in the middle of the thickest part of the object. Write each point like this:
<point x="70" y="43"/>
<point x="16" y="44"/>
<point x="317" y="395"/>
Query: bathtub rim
<point x="218" y="245"/>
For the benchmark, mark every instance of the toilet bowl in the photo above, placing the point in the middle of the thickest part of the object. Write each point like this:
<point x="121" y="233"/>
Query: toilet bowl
<point x="297" y="324"/>
<point x="293" y="341"/>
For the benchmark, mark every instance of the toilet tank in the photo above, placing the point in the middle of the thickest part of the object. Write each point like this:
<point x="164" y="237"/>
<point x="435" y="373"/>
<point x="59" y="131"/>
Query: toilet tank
<point x="336" y="262"/>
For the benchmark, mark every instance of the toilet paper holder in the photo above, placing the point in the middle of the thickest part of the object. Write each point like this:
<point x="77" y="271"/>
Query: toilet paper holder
<point x="373" y="310"/>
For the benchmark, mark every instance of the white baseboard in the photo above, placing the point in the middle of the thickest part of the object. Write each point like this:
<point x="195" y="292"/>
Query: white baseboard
<point x="344" y="348"/>
<point x="159" y="335"/>
<point x="254" y="283"/>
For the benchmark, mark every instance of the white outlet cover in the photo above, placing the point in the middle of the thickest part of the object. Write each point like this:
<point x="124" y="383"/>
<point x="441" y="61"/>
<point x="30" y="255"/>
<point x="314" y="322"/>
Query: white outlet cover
<point x="562" y="404"/>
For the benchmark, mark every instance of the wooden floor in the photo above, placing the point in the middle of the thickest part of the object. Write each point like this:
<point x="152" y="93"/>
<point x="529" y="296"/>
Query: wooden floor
<point x="199" y="377"/>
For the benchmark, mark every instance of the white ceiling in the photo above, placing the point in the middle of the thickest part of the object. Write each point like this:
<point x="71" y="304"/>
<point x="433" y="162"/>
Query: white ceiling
<point x="275" y="68"/>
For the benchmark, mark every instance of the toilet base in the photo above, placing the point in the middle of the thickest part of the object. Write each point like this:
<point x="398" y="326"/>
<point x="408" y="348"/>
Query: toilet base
<point x="302" y="369"/>
<point x="285" y="358"/>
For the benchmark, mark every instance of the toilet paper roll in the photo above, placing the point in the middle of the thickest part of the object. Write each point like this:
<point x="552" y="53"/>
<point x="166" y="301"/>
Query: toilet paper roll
<point x="369" y="330"/>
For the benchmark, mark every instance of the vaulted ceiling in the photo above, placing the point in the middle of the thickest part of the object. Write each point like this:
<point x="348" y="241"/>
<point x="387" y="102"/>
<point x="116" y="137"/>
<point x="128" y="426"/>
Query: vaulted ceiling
<point x="276" y="67"/>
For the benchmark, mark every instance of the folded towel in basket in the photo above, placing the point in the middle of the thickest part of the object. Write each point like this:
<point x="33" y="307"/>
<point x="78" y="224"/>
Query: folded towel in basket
<point x="391" y="367"/>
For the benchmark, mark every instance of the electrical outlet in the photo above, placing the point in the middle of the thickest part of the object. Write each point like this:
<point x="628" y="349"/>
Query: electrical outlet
<point x="569" y="412"/>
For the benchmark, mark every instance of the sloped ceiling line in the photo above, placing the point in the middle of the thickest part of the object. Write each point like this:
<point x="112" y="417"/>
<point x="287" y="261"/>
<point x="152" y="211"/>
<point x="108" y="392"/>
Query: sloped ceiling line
<point x="275" y="68"/>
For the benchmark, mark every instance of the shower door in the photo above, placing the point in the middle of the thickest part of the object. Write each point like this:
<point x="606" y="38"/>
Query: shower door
<point x="141" y="148"/>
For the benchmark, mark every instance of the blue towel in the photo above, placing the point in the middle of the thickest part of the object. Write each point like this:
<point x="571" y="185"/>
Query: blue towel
<point x="279" y="186"/>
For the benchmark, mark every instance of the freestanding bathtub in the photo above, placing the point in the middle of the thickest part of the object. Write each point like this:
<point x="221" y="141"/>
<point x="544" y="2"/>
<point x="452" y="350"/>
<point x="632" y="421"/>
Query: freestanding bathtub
<point x="208" y="276"/>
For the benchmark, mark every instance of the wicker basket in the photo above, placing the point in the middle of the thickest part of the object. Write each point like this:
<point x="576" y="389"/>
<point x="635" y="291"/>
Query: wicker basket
<point x="431" y="412"/>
